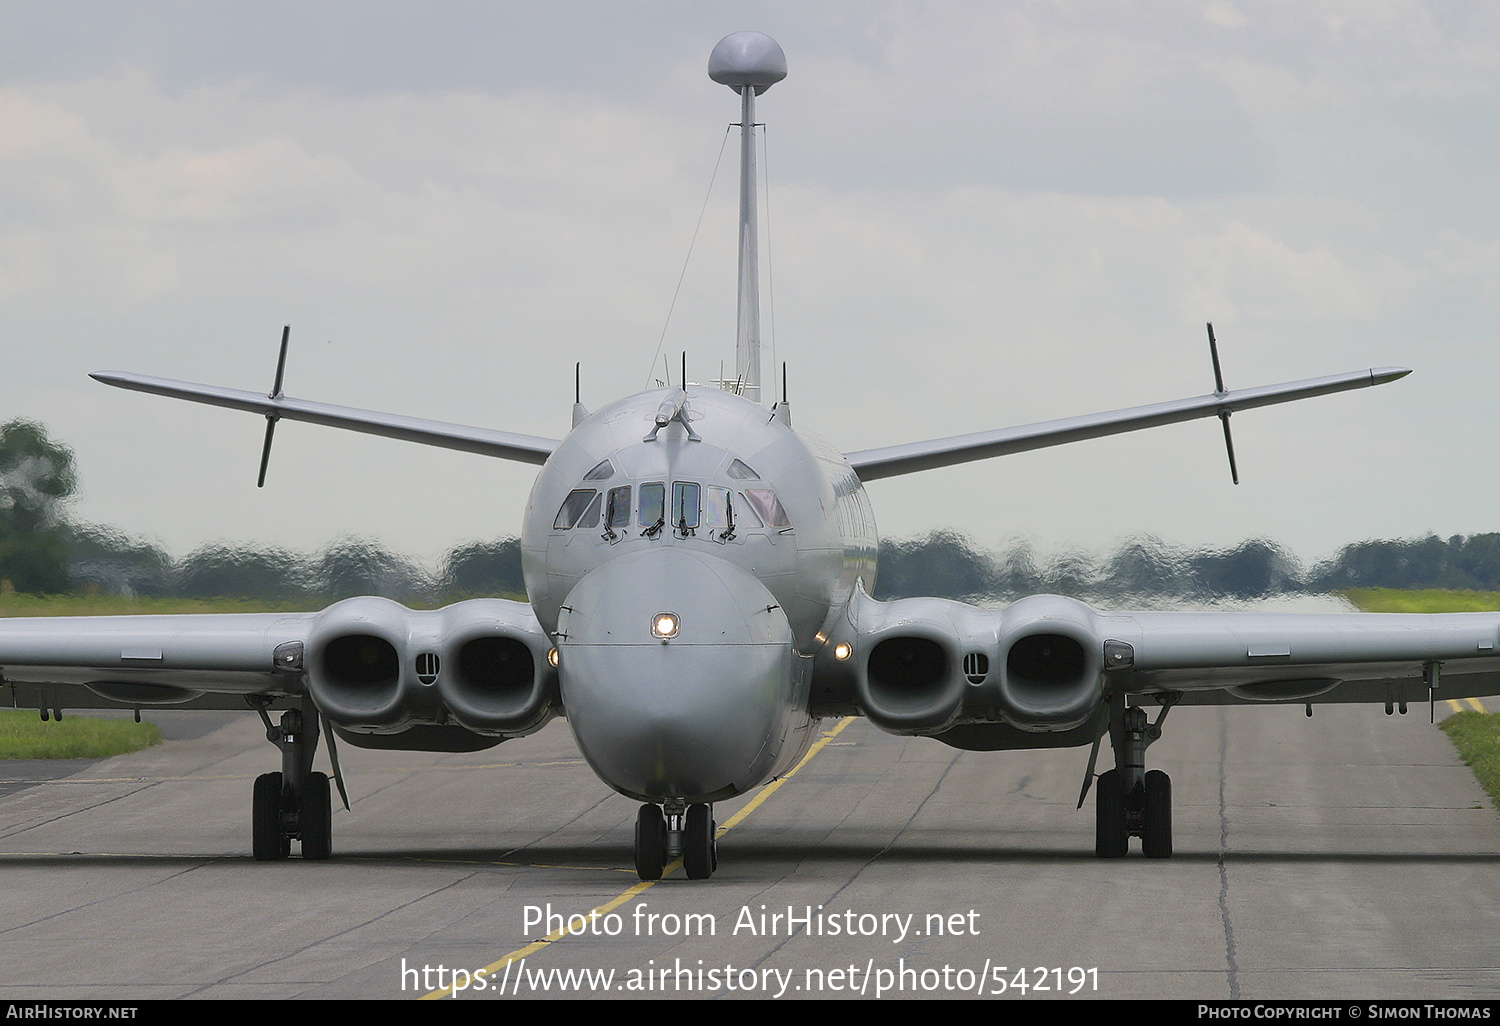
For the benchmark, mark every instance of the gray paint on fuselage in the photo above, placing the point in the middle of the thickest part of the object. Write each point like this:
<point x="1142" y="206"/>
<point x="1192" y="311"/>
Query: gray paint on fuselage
<point x="700" y="717"/>
<point x="810" y="567"/>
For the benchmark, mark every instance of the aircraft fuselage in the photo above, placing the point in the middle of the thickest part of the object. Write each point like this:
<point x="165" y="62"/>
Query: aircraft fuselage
<point x="748" y="536"/>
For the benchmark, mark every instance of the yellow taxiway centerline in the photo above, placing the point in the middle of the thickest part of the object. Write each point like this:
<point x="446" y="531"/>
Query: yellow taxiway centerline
<point x="645" y="885"/>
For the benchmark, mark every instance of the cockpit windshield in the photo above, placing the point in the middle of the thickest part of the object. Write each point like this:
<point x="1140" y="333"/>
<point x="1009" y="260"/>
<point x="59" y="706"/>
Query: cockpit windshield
<point x="685" y="504"/>
<point x="653" y="504"/>
<point x="715" y="507"/>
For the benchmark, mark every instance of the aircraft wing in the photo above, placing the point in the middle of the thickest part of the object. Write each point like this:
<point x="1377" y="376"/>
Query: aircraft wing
<point x="1227" y="658"/>
<point x="485" y="442"/>
<point x="192" y="661"/>
<point x="1041" y="669"/>
<point x="890" y="461"/>
<point x="370" y="665"/>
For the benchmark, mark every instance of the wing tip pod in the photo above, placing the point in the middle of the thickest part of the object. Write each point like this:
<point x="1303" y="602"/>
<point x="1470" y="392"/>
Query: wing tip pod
<point x="1382" y="375"/>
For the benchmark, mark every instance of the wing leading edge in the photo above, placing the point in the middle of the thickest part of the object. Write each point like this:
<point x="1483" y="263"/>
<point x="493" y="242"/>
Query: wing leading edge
<point x="908" y="458"/>
<point x="484" y="441"/>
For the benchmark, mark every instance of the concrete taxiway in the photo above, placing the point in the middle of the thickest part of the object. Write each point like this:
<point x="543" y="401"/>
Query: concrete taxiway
<point x="1348" y="855"/>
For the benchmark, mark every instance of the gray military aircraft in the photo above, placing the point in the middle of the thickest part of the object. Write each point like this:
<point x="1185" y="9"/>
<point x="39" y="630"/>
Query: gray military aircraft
<point x="699" y="578"/>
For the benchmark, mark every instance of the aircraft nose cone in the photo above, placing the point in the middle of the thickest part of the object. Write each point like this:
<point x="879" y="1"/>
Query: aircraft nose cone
<point x="676" y="673"/>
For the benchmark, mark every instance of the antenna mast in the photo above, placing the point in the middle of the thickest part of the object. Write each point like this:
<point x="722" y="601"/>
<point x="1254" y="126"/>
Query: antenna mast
<point x="749" y="63"/>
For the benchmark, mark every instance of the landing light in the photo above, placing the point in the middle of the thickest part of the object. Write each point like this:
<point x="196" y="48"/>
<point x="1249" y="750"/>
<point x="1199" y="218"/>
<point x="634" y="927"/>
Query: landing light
<point x="552" y="657"/>
<point x="664" y="626"/>
<point x="842" y="651"/>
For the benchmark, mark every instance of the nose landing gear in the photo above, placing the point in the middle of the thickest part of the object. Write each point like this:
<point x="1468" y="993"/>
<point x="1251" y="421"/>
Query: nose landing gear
<point x="665" y="831"/>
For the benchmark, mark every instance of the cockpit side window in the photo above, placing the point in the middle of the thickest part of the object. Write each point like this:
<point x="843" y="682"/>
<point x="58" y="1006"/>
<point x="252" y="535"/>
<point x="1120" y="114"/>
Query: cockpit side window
<point x="573" y="508"/>
<point x="590" y="516"/>
<point x="617" y="509"/>
<point x="717" y="507"/>
<point x="768" y="506"/>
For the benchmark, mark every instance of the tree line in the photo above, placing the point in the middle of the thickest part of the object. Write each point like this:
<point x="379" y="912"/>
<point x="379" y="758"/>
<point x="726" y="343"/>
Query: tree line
<point x="44" y="551"/>
<point x="948" y="564"/>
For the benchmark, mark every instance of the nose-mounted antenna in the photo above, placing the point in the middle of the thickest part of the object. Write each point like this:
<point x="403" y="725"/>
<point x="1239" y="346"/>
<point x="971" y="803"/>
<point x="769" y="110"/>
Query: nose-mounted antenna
<point x="749" y="63"/>
<point x="580" y="412"/>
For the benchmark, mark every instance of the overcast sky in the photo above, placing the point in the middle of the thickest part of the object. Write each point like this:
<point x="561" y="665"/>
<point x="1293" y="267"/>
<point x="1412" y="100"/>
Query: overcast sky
<point x="980" y="214"/>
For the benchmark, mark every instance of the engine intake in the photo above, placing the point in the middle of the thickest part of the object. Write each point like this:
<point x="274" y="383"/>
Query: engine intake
<point x="910" y="685"/>
<point x="354" y="664"/>
<point x="494" y="679"/>
<point x="374" y="666"/>
<point x="1054" y="664"/>
<point x="929" y="665"/>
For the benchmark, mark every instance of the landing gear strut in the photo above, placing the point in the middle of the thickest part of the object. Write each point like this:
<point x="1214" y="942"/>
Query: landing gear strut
<point x="664" y="831"/>
<point x="294" y="804"/>
<point x="1132" y="802"/>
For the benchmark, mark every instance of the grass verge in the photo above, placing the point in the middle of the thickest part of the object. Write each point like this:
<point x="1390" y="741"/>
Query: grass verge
<point x="116" y="605"/>
<point x="1422" y="600"/>
<point x="1476" y="735"/>
<point x="23" y="735"/>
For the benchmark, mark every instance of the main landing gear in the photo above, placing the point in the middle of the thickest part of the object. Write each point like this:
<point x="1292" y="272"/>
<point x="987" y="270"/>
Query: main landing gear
<point x="294" y="804"/>
<point x="1132" y="802"/>
<point x="664" y="831"/>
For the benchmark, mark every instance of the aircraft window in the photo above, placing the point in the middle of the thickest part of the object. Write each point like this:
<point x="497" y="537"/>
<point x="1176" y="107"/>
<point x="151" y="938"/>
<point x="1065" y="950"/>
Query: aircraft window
<point x="684" y="504"/>
<point x="600" y="472"/>
<point x="741" y="472"/>
<point x="590" y="516"/>
<point x="573" y="507"/>
<point x="653" y="504"/>
<point x="617" y="513"/>
<point x="717" y="506"/>
<point x="768" y="506"/>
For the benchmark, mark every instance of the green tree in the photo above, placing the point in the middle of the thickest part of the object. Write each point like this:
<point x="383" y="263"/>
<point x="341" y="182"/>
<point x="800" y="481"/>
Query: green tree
<point x="945" y="564"/>
<point x="1253" y="569"/>
<point x="222" y="570"/>
<point x="107" y="560"/>
<point x="482" y="569"/>
<point x="37" y="477"/>
<point x="359" y="566"/>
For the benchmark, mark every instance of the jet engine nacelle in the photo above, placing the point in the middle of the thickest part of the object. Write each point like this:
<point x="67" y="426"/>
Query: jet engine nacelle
<point x="375" y="666"/>
<point x="924" y="665"/>
<point x="1051" y="673"/>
